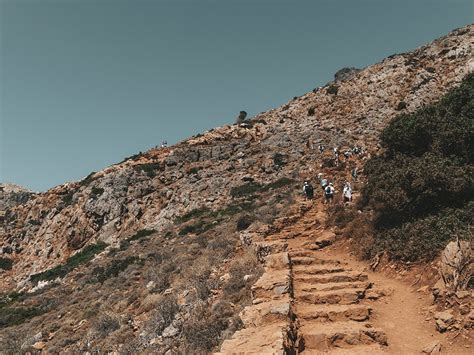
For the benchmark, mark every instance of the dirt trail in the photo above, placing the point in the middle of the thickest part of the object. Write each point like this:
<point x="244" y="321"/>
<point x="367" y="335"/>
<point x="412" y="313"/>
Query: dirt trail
<point x="334" y="304"/>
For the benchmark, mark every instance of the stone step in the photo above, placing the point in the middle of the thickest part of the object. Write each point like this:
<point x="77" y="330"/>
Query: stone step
<point x="310" y="260"/>
<point x="276" y="338"/>
<point x="344" y="296"/>
<point x="303" y="287"/>
<point x="302" y="252"/>
<point x="274" y="284"/>
<point x="320" y="242"/>
<point x="333" y="313"/>
<point x="318" y="269"/>
<point x="331" y="278"/>
<point x="265" y="313"/>
<point x="324" y="336"/>
<point x="370" y="349"/>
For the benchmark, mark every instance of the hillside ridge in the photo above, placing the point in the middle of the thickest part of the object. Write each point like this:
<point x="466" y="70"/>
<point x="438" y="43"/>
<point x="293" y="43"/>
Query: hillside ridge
<point x="91" y="261"/>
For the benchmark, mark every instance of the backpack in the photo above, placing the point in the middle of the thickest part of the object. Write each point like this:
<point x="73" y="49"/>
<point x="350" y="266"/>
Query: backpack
<point x="328" y="190"/>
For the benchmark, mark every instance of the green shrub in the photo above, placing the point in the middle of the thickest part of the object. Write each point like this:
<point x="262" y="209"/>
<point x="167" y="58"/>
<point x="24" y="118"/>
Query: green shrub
<point x="251" y="188"/>
<point x="194" y="170"/>
<point x="195" y="213"/>
<point x="101" y="274"/>
<point x="67" y="198"/>
<point x="401" y="105"/>
<point x="245" y="190"/>
<point x="278" y="184"/>
<point x="87" y="180"/>
<point x="7" y="299"/>
<point x="142" y="233"/>
<point x="197" y="228"/>
<point x="6" y="263"/>
<point x="279" y="159"/>
<point x="421" y="189"/>
<point x="96" y="192"/>
<point x="244" y="222"/>
<point x="332" y="89"/>
<point x="10" y="316"/>
<point x="74" y="261"/>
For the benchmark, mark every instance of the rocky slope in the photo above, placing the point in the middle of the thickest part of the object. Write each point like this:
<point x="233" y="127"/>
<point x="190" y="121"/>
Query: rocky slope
<point x="12" y="195"/>
<point x="214" y="170"/>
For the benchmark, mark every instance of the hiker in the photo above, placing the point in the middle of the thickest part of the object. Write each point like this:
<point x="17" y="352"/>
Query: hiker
<point x="321" y="148"/>
<point x="347" y="154"/>
<point x="354" y="173"/>
<point x="324" y="183"/>
<point x="329" y="193"/>
<point x="308" y="190"/>
<point x="357" y="150"/>
<point x="347" y="193"/>
<point x="336" y="156"/>
<point x="164" y="144"/>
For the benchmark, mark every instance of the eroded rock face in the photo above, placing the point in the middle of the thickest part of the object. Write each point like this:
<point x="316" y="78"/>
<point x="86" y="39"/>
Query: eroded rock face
<point x="346" y="73"/>
<point x="456" y="265"/>
<point x="151" y="189"/>
<point x="12" y="195"/>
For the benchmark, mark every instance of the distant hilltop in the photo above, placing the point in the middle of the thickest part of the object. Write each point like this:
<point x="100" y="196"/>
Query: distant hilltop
<point x="12" y="195"/>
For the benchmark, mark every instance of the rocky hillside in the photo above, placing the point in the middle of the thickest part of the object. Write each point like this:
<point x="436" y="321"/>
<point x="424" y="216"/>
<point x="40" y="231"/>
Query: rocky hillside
<point x="217" y="176"/>
<point x="12" y="195"/>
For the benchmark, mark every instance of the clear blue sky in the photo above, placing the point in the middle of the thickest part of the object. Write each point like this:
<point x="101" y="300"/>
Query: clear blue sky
<point x="85" y="83"/>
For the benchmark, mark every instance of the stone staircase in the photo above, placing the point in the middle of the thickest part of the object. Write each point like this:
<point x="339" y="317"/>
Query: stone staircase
<point x="306" y="303"/>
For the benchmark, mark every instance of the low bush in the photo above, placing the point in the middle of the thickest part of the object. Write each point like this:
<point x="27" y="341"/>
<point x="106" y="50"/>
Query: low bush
<point x="6" y="263"/>
<point x="421" y="189"/>
<point x="332" y="89"/>
<point x="141" y="234"/>
<point x="237" y="289"/>
<point x="105" y="324"/>
<point x="10" y="316"/>
<point x="244" y="222"/>
<point x="11" y="343"/>
<point x="203" y="329"/>
<point x="401" y="105"/>
<point x="87" y="180"/>
<point x="67" y="198"/>
<point x="278" y="184"/>
<point x="164" y="313"/>
<point x="96" y="192"/>
<point x="245" y="190"/>
<point x="340" y="215"/>
<point x="196" y="228"/>
<point x="195" y="213"/>
<point x="279" y="159"/>
<point x="74" y="261"/>
<point x="100" y="274"/>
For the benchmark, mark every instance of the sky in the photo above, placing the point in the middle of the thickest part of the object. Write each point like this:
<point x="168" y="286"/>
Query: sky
<point x="86" y="83"/>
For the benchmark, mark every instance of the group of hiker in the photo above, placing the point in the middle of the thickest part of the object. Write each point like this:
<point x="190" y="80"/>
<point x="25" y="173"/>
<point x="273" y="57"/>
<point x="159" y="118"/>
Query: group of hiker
<point x="356" y="150"/>
<point x="328" y="190"/>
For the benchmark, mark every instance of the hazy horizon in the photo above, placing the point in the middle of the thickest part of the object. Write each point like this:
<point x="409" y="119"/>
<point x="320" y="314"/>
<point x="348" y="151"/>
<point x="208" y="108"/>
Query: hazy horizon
<point x="84" y="84"/>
